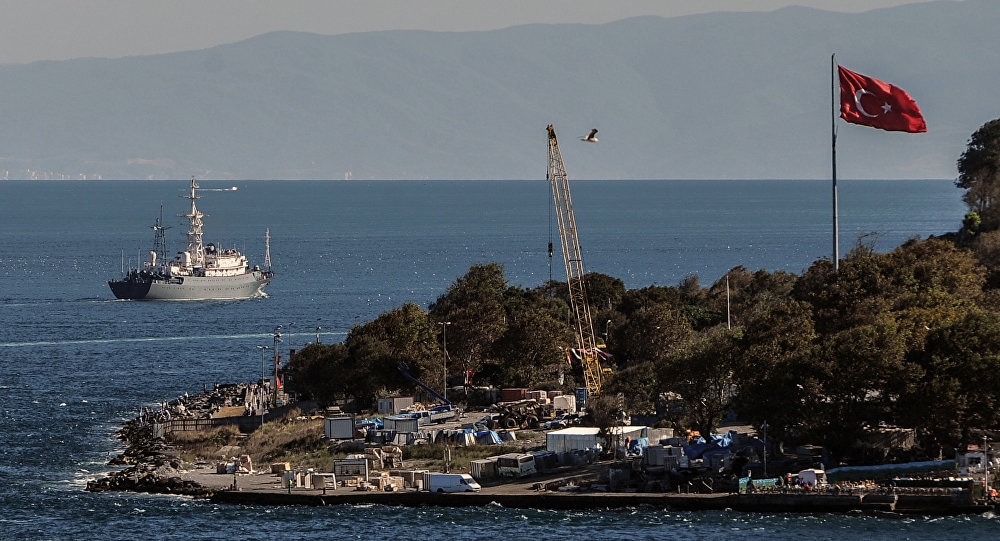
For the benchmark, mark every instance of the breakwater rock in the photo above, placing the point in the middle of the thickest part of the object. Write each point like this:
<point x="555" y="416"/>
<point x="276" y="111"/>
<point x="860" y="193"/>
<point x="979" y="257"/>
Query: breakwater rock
<point x="158" y="476"/>
<point x="153" y="465"/>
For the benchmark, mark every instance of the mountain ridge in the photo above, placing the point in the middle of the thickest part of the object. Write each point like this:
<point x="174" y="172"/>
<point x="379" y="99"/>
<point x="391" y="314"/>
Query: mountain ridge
<point x="718" y="95"/>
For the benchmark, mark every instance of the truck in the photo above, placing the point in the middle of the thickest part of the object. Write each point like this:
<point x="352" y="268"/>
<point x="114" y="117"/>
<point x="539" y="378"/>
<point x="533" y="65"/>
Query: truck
<point x="812" y="477"/>
<point x="437" y="414"/>
<point x="450" y="482"/>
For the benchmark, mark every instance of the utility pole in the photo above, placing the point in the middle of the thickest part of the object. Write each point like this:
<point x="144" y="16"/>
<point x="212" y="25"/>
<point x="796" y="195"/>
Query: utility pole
<point x="277" y="360"/>
<point x="986" y="467"/>
<point x="262" y="396"/>
<point x="444" y="339"/>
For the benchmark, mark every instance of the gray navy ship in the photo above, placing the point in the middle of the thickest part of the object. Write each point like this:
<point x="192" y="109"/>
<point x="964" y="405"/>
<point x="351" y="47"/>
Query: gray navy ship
<point x="201" y="272"/>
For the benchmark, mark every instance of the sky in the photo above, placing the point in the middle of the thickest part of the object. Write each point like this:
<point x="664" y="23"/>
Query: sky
<point x="32" y="30"/>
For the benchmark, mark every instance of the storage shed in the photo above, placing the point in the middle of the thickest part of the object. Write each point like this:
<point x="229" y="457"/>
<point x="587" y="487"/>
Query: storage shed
<point x="340" y="427"/>
<point x="394" y="404"/>
<point x="585" y="437"/>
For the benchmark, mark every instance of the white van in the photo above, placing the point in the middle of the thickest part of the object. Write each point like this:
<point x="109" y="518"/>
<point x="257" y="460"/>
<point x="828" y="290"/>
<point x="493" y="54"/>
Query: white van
<point x="451" y="482"/>
<point x="814" y="477"/>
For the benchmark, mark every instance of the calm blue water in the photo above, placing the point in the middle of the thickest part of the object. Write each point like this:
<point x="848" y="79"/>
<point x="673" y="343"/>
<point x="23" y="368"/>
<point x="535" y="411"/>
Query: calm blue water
<point x="74" y="362"/>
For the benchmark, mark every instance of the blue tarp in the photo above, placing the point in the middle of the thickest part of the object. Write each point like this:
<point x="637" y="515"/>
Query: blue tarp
<point x="699" y="447"/>
<point x="488" y="437"/>
<point x="374" y="422"/>
<point x="637" y="446"/>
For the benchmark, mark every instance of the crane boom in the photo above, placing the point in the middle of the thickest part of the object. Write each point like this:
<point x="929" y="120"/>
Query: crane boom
<point x="404" y="369"/>
<point x="573" y="258"/>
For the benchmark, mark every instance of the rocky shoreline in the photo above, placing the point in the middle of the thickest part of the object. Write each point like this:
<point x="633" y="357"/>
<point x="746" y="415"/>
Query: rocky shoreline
<point x="153" y="466"/>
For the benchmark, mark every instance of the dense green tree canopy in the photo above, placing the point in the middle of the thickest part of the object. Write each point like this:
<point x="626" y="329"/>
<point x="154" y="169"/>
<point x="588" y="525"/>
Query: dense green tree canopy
<point x="909" y="337"/>
<point x="979" y="174"/>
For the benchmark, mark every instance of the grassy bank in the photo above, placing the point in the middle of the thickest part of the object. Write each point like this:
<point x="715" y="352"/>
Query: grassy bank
<point x="299" y="440"/>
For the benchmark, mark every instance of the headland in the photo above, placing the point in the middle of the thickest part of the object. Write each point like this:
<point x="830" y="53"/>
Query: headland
<point x="156" y="465"/>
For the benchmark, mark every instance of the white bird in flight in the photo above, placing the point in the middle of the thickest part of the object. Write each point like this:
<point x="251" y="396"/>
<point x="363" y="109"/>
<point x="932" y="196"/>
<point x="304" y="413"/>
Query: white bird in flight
<point x="592" y="137"/>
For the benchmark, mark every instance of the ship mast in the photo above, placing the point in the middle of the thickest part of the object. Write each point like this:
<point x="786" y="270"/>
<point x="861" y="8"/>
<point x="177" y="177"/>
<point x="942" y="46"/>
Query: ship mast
<point x="195" y="247"/>
<point x="267" y="249"/>
<point x="160" y="239"/>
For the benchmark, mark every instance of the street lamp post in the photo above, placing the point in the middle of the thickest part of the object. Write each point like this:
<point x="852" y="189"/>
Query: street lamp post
<point x="986" y="468"/>
<point x="444" y="340"/>
<point x="765" y="449"/>
<point x="262" y="348"/>
<point x="277" y="340"/>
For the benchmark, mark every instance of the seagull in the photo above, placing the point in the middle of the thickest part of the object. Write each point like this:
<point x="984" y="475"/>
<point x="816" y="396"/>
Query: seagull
<point x="592" y="138"/>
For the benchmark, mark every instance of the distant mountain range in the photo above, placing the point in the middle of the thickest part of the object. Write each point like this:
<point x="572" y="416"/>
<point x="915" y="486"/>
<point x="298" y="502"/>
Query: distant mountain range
<point x="717" y="96"/>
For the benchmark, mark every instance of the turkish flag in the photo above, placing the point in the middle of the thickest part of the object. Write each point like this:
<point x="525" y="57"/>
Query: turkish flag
<point x="878" y="104"/>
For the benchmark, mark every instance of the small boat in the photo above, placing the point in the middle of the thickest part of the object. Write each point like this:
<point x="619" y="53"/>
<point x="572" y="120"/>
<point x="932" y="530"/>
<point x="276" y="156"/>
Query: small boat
<point x="201" y="272"/>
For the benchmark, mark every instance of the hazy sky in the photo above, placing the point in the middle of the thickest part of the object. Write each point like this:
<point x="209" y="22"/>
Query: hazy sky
<point x="60" y="29"/>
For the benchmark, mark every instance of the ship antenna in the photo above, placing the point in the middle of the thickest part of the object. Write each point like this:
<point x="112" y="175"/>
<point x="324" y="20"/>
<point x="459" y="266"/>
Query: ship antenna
<point x="267" y="248"/>
<point x="195" y="246"/>
<point x="159" y="236"/>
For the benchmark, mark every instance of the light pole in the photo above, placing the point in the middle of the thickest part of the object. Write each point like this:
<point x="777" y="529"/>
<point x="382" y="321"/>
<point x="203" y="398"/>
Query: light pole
<point x="277" y="340"/>
<point x="289" y="334"/>
<point x="986" y="468"/>
<point x="261" y="394"/>
<point x="444" y="340"/>
<point x="765" y="449"/>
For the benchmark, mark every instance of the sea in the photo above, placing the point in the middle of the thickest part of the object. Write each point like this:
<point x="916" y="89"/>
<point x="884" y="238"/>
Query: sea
<point x="75" y="362"/>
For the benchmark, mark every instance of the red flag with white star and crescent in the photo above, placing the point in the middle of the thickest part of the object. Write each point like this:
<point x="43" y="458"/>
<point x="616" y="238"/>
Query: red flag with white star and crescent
<point x="870" y="102"/>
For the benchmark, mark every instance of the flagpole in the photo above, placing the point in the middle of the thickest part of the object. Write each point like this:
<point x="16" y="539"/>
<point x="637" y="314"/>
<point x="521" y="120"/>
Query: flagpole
<point x="833" y="139"/>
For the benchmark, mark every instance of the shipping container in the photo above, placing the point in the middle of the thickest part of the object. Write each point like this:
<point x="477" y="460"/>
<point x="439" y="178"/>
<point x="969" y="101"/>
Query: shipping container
<point x="394" y="404"/>
<point x="545" y="461"/>
<point x="484" y="469"/>
<point x="401" y="423"/>
<point x="660" y="455"/>
<point x="565" y="403"/>
<point x="513" y="395"/>
<point x="340" y="427"/>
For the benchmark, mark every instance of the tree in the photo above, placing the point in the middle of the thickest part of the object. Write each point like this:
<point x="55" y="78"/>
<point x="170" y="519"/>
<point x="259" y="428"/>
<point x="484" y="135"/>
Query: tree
<point x="854" y="295"/>
<point x="740" y="292"/>
<point x="702" y="373"/>
<point x="402" y="335"/>
<point x="603" y="291"/>
<point x="531" y="349"/>
<point x="317" y="372"/>
<point x="960" y="387"/>
<point x="979" y="174"/>
<point x="932" y="282"/>
<point x="777" y="379"/>
<point x="863" y="372"/>
<point x="474" y="305"/>
<point x="650" y="334"/>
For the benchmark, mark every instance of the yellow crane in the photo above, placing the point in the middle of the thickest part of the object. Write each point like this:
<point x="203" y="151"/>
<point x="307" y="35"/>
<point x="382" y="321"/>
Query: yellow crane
<point x="586" y="341"/>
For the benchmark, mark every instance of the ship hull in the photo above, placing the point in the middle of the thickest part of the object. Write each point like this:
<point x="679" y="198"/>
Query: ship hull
<point x="148" y="287"/>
